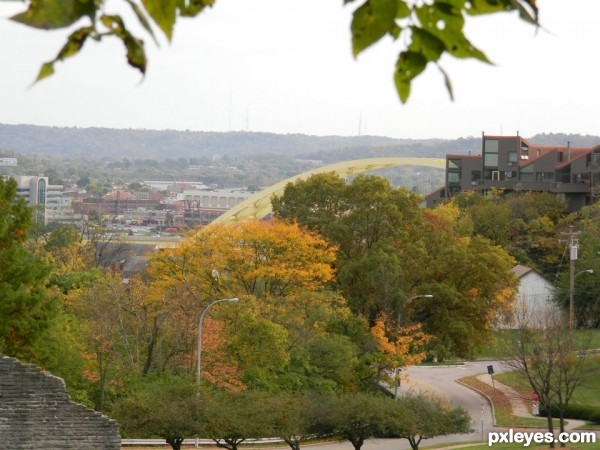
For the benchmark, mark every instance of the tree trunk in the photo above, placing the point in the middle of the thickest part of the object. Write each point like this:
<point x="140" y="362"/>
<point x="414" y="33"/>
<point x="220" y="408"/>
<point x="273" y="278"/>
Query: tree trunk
<point x="550" y="424"/>
<point x="357" y="443"/>
<point x="175" y="442"/>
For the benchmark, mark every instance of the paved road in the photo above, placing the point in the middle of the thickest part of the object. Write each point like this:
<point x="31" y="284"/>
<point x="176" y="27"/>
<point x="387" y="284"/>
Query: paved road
<point x="443" y="381"/>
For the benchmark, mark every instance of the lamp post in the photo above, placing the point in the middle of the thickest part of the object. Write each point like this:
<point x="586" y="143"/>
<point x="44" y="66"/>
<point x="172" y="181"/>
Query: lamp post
<point x="397" y="369"/>
<point x="571" y="295"/>
<point x="200" y="320"/>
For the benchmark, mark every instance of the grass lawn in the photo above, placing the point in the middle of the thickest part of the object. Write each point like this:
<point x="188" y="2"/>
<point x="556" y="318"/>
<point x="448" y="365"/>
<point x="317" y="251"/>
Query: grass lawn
<point x="498" y="347"/>
<point x="586" y="394"/>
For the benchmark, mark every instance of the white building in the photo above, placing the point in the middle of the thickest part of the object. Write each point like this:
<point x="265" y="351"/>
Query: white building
<point x="48" y="198"/>
<point x="223" y="199"/>
<point x="534" y="300"/>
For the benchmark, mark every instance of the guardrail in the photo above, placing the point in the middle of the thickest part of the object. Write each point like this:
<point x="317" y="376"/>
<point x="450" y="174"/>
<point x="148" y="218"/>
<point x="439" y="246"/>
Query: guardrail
<point x="192" y="441"/>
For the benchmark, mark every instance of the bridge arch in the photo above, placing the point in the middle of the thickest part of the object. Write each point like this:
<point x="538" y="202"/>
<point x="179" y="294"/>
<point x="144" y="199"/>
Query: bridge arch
<point x="259" y="205"/>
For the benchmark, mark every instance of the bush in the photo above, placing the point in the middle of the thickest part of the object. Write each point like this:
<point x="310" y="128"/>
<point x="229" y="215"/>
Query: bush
<point x="582" y="412"/>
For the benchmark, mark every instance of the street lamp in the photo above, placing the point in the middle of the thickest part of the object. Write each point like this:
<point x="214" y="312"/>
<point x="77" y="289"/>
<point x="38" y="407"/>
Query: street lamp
<point x="571" y="299"/>
<point x="198" y="366"/>
<point x="398" y="369"/>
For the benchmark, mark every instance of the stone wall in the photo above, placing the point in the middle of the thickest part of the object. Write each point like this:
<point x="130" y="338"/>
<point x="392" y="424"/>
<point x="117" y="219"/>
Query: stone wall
<point x="37" y="413"/>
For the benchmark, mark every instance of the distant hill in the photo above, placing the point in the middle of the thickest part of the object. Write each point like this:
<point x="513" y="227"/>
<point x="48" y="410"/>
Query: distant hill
<point x="155" y="144"/>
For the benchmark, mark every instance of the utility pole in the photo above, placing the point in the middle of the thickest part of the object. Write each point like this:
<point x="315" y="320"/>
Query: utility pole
<point x="572" y="243"/>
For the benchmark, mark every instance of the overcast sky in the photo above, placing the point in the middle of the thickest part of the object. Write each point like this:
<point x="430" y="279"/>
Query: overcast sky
<point x="285" y="66"/>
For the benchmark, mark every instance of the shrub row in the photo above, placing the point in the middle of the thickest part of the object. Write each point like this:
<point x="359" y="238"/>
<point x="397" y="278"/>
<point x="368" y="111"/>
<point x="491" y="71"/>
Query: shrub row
<point x="582" y="412"/>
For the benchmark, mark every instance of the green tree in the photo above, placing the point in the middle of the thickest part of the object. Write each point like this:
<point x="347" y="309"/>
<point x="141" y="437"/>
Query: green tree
<point x="294" y="417"/>
<point x="365" y="219"/>
<point x="428" y="30"/>
<point x="587" y="285"/>
<point x="27" y="309"/>
<point x="422" y="417"/>
<point x="229" y="418"/>
<point x="389" y="249"/>
<point x="357" y="417"/>
<point x="164" y="407"/>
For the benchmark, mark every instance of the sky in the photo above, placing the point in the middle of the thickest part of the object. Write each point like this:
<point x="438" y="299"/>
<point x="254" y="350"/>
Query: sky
<point x="286" y="66"/>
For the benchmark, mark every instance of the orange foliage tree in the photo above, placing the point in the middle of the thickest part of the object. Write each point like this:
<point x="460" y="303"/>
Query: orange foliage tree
<point x="398" y="347"/>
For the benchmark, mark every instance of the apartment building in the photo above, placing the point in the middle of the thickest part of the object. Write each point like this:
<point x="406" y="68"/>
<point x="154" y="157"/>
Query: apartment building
<point x="512" y="163"/>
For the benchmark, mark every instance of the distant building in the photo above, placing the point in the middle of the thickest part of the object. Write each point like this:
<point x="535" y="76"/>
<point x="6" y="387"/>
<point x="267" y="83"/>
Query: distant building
<point x="46" y="198"/>
<point x="512" y="163"/>
<point x="205" y="206"/>
<point x="535" y="298"/>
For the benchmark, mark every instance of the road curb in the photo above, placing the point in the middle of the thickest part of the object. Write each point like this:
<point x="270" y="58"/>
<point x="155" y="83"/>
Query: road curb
<point x="489" y="400"/>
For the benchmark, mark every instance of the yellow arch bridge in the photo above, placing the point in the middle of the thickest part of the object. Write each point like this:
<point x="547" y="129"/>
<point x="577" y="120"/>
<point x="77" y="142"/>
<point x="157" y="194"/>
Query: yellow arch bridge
<point x="259" y="204"/>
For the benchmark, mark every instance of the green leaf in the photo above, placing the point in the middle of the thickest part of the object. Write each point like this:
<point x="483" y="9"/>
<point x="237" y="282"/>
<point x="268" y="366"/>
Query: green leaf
<point x="164" y="14"/>
<point x="427" y="44"/>
<point x="445" y="21"/>
<point x="447" y="83"/>
<point x="528" y="10"/>
<point x="191" y="8"/>
<point x="136" y="56"/>
<point x="371" y="21"/>
<point x="74" y="43"/>
<point x="403" y="10"/>
<point x="46" y="70"/>
<point x="409" y="65"/>
<point x="50" y="14"/>
<point x="142" y="19"/>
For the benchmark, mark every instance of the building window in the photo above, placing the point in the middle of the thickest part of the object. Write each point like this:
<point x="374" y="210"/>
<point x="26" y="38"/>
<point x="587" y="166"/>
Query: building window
<point x="491" y="160"/>
<point x="491" y="146"/>
<point x="453" y="177"/>
<point x="41" y="192"/>
<point x="564" y="175"/>
<point x="512" y="157"/>
<point x="476" y="175"/>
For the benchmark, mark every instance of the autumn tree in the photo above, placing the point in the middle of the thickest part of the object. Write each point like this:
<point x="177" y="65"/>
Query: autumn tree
<point x="399" y="348"/>
<point x="415" y="24"/>
<point x="526" y="224"/>
<point x="471" y="284"/>
<point x="364" y="219"/>
<point x="27" y="309"/>
<point x="278" y="337"/>
<point x="390" y="250"/>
